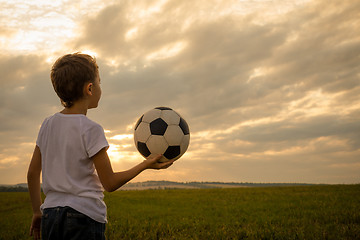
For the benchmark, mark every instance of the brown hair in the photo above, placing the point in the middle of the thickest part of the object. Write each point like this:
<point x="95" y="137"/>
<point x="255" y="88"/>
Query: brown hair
<point x="70" y="73"/>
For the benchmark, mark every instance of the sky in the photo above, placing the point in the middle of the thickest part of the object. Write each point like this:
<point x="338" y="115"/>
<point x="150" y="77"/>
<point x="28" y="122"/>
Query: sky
<point x="270" y="89"/>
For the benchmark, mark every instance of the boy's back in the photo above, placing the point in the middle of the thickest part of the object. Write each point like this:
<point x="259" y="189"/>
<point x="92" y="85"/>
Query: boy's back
<point x="67" y="142"/>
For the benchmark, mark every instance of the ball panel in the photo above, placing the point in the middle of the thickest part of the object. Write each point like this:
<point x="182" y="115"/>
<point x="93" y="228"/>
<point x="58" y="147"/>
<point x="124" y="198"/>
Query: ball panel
<point x="163" y="108"/>
<point x="170" y="117"/>
<point x="183" y="125"/>
<point x="143" y="149"/>
<point x="142" y="133"/>
<point x="151" y="115"/>
<point x="172" y="152"/>
<point x="158" y="127"/>
<point x="184" y="143"/>
<point x="173" y="135"/>
<point x="156" y="144"/>
<point x="138" y="122"/>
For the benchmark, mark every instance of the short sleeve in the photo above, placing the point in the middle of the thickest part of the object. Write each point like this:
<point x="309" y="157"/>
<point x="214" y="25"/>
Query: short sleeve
<point x="95" y="140"/>
<point x="38" y="140"/>
<point x="40" y="137"/>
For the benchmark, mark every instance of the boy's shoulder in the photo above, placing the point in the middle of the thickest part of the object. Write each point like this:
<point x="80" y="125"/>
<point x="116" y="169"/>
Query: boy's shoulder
<point x="90" y="123"/>
<point x="83" y="121"/>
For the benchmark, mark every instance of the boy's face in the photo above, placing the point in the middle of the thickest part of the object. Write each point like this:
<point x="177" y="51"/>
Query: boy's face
<point x="96" y="93"/>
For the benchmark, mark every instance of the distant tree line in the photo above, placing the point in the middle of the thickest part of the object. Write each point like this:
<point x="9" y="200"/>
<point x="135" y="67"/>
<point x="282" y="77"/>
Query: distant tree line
<point x="171" y="185"/>
<point x="13" y="189"/>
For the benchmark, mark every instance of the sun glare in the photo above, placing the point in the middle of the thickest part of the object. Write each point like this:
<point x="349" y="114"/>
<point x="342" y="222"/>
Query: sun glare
<point x="122" y="137"/>
<point x="118" y="153"/>
<point x="42" y="26"/>
<point x="121" y="147"/>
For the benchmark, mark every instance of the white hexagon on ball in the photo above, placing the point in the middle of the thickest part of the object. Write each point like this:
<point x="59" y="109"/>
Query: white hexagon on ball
<point x="174" y="135"/>
<point x="142" y="132"/>
<point x="151" y="115"/>
<point x="184" y="143"/>
<point x="170" y="117"/>
<point x="157" y="144"/>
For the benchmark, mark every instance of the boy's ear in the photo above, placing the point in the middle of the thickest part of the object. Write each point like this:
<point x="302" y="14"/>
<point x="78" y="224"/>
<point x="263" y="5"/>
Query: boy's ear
<point x="88" y="89"/>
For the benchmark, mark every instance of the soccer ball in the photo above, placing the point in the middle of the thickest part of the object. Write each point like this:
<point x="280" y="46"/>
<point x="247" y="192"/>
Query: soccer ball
<point x="162" y="131"/>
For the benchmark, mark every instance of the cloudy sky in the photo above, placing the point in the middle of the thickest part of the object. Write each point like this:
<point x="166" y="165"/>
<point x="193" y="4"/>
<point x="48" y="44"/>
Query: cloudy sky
<point x="270" y="89"/>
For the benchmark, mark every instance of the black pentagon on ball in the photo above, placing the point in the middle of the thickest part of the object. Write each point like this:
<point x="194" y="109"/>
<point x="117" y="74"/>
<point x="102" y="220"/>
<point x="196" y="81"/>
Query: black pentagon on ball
<point x="184" y="127"/>
<point x="172" y="152"/>
<point x="138" y="122"/>
<point x="163" y="108"/>
<point x="158" y="127"/>
<point x="143" y="149"/>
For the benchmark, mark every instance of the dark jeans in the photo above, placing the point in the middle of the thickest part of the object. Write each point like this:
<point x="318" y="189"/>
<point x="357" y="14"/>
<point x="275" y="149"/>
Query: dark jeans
<point x="65" y="223"/>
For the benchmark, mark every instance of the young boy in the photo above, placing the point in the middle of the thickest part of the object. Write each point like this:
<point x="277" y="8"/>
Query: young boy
<point x="71" y="153"/>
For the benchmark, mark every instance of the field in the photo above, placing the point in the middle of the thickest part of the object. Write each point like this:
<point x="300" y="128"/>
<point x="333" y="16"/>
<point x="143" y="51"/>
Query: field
<point x="301" y="212"/>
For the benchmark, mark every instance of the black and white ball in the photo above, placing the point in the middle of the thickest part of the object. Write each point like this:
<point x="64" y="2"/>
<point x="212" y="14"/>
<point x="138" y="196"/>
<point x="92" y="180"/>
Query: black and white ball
<point x="162" y="131"/>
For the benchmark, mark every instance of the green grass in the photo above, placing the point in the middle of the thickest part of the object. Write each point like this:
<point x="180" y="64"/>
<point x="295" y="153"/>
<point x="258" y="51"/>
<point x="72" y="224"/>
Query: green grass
<point x="311" y="212"/>
<point x="15" y="215"/>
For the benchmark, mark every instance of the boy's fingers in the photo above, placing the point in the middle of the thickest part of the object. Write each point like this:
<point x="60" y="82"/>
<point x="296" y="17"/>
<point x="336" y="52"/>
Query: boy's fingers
<point x="167" y="164"/>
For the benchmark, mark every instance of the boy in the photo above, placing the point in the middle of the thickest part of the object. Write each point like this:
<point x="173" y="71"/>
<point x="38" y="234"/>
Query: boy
<point x="71" y="152"/>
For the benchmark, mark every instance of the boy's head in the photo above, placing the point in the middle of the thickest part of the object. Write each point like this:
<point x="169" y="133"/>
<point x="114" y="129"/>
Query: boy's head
<point x="69" y="75"/>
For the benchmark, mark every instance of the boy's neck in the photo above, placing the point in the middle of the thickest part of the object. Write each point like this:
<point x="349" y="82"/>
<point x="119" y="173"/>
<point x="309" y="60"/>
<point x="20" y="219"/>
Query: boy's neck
<point x="77" y="108"/>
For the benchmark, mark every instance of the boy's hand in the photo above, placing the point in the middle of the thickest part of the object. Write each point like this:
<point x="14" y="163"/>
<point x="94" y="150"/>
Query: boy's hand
<point x="35" y="226"/>
<point x="153" y="163"/>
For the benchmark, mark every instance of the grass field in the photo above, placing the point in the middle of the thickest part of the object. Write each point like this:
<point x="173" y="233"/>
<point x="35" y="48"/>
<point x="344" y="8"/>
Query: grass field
<point x="311" y="212"/>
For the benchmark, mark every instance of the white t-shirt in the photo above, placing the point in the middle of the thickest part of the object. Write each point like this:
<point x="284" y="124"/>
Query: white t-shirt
<point x="67" y="142"/>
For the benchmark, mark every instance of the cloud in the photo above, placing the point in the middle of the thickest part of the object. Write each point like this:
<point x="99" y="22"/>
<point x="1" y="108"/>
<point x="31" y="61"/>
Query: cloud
<point x="270" y="92"/>
<point x="26" y="89"/>
<point x="25" y="100"/>
<point x="259" y="88"/>
<point x="210" y="73"/>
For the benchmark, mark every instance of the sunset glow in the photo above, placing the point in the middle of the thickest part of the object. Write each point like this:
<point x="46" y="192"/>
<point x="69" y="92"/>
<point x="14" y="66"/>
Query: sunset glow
<point x="270" y="90"/>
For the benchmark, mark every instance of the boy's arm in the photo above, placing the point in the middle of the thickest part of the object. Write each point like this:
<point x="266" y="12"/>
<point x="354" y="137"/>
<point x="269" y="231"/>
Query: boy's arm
<point x="33" y="178"/>
<point x="113" y="180"/>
